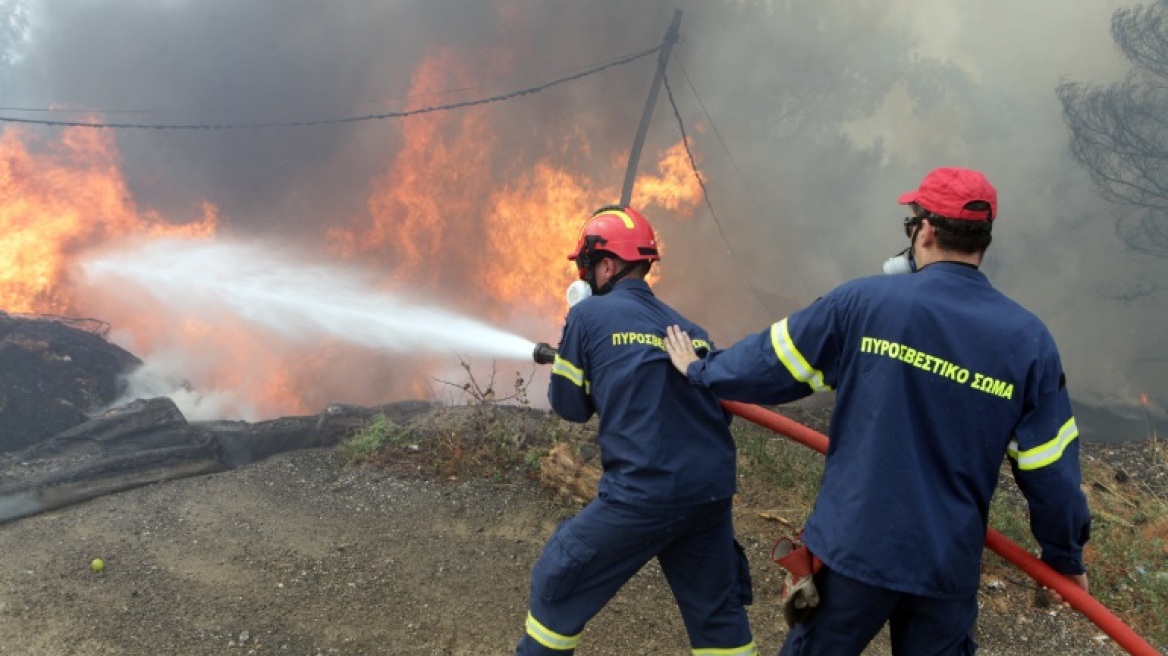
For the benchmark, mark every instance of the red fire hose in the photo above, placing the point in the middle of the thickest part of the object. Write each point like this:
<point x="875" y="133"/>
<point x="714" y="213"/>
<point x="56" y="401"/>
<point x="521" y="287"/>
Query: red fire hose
<point x="1114" y="627"/>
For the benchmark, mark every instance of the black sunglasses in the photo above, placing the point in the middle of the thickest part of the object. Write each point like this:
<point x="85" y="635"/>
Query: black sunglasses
<point x="911" y="222"/>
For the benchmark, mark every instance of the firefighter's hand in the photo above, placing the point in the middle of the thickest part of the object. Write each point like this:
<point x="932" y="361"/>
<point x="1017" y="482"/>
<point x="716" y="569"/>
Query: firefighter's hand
<point x="680" y="348"/>
<point x="1048" y="597"/>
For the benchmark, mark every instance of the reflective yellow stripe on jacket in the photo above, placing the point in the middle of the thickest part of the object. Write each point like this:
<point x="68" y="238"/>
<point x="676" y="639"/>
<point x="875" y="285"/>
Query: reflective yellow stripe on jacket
<point x="562" y="367"/>
<point x="1044" y="454"/>
<point x="793" y="360"/>
<point x="549" y="638"/>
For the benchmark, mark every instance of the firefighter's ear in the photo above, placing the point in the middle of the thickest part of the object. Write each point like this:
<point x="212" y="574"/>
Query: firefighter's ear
<point x="927" y="234"/>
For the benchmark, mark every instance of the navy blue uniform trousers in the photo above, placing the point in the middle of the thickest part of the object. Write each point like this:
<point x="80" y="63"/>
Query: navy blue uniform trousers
<point x="593" y="554"/>
<point x="851" y="613"/>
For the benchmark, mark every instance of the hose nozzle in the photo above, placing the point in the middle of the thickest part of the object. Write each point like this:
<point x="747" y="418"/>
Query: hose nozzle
<point x="544" y="353"/>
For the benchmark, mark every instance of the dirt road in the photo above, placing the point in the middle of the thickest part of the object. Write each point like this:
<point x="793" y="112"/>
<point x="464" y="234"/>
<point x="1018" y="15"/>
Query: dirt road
<point x="304" y="555"/>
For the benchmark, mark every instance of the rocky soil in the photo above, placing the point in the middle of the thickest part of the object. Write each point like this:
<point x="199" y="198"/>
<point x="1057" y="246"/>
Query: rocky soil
<point x="304" y="554"/>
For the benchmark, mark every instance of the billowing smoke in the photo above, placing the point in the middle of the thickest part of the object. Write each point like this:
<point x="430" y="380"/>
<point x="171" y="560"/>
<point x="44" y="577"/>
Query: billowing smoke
<point x="822" y="113"/>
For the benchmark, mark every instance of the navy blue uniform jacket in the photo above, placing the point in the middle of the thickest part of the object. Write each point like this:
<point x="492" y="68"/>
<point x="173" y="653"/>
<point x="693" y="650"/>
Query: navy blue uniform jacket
<point x="938" y="377"/>
<point x="663" y="442"/>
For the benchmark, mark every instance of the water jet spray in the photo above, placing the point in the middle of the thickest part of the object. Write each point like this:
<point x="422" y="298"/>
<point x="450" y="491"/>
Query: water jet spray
<point x="298" y="301"/>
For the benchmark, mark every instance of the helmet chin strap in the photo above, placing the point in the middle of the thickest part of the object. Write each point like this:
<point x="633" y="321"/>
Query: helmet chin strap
<point x="607" y="287"/>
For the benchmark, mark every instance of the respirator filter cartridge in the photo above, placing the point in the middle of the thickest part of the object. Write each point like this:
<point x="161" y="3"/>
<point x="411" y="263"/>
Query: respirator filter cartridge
<point x="897" y="265"/>
<point x="578" y="291"/>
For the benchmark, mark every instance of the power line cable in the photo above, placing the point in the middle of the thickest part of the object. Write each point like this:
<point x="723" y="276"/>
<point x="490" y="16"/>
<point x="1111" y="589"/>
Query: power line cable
<point x="706" y="195"/>
<point x="155" y="110"/>
<point x="734" y="165"/>
<point x="347" y="119"/>
<point x="72" y="110"/>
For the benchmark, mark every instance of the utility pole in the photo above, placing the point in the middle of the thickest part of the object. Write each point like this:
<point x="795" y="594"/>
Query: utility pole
<point x="639" y="142"/>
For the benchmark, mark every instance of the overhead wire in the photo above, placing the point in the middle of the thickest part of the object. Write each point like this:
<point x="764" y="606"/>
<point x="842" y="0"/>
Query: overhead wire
<point x="734" y="165"/>
<point x="345" y="119"/>
<point x="156" y="110"/>
<point x="706" y="195"/>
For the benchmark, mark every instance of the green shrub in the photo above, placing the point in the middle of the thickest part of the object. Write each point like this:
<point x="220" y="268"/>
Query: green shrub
<point x="373" y="437"/>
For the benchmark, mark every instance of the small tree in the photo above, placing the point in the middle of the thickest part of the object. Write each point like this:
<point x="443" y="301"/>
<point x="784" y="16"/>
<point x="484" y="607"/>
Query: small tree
<point x="1119" y="132"/>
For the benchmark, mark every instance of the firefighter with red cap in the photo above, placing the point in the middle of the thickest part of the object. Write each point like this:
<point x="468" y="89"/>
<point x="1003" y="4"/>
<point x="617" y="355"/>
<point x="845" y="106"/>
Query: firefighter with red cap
<point x="938" y="378"/>
<point x="666" y="451"/>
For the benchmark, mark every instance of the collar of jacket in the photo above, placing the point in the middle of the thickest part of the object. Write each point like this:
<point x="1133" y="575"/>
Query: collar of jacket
<point x="631" y="284"/>
<point x="958" y="268"/>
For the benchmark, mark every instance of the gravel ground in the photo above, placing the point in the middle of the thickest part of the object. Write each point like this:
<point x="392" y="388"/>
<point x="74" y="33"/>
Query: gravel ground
<point x="302" y="554"/>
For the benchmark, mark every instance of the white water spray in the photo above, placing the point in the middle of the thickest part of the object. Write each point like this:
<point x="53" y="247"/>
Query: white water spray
<point x="300" y="302"/>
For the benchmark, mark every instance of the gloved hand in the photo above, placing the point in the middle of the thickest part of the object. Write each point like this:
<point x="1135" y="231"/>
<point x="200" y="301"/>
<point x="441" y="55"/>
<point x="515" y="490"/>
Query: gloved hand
<point x="798" y="599"/>
<point x="799" y="596"/>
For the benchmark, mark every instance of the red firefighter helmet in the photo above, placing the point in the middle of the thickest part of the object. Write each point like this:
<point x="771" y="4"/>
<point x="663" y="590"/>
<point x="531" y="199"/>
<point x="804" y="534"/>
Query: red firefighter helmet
<point x="615" y="230"/>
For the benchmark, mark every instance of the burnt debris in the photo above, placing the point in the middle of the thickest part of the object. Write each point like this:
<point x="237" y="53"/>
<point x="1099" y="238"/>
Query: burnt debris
<point x="53" y="376"/>
<point x="62" y="441"/>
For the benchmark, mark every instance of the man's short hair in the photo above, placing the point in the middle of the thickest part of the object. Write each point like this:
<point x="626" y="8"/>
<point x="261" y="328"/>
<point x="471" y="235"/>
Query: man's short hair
<point x="962" y="235"/>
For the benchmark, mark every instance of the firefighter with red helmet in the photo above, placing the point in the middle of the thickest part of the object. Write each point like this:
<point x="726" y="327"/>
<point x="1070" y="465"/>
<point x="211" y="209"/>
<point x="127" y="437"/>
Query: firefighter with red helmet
<point x="667" y="456"/>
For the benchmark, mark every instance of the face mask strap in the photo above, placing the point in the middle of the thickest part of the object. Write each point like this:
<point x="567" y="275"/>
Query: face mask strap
<point x="908" y="252"/>
<point x="908" y="255"/>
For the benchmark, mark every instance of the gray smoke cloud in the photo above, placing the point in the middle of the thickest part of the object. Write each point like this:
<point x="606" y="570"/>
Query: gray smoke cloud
<point x="822" y="113"/>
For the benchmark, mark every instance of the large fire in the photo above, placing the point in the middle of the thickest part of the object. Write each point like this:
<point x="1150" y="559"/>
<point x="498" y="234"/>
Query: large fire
<point x="454" y="215"/>
<point x="445" y="199"/>
<point x="57" y="202"/>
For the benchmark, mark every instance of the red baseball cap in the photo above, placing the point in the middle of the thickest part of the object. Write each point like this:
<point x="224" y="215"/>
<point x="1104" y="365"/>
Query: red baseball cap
<point x="947" y="190"/>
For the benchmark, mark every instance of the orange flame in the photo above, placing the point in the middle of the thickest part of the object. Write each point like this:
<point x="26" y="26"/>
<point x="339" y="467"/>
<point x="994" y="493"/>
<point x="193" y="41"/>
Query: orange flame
<point x="57" y="203"/>
<point x="457" y="206"/>
<point x="69" y="197"/>
<point x="437" y="180"/>
<point x="676" y="189"/>
<point x="459" y="213"/>
<point x="1144" y="399"/>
